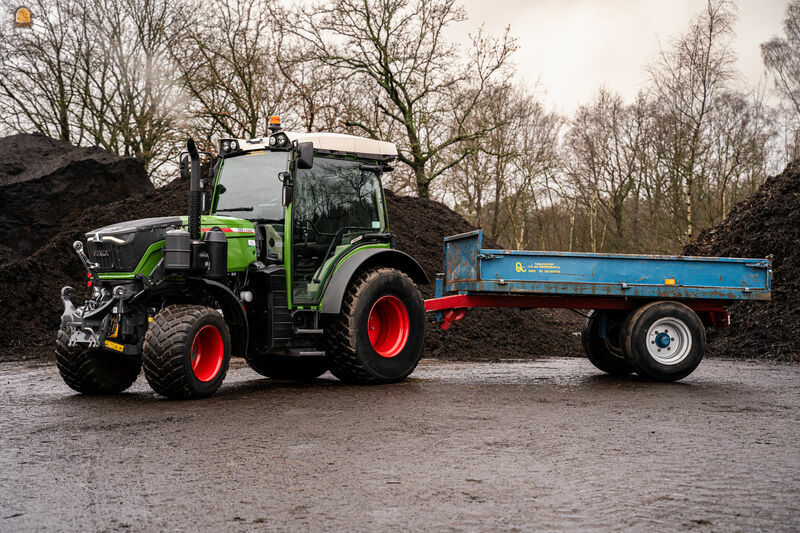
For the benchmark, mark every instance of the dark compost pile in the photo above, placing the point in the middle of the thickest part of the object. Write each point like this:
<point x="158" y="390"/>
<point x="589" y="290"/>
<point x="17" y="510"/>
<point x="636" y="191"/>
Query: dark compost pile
<point x="45" y="184"/>
<point x="767" y="223"/>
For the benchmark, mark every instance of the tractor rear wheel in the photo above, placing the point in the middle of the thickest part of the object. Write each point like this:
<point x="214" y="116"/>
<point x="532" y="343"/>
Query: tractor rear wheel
<point x="287" y="367"/>
<point x="379" y="335"/>
<point x="605" y="353"/>
<point x="186" y="351"/>
<point x="94" y="370"/>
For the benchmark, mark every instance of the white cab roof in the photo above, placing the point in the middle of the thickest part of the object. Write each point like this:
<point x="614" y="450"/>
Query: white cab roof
<point x="329" y="141"/>
<point x="345" y="143"/>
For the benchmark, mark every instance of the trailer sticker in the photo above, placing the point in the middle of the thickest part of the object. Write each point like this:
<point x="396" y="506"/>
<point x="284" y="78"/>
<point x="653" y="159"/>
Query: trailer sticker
<point x="539" y="268"/>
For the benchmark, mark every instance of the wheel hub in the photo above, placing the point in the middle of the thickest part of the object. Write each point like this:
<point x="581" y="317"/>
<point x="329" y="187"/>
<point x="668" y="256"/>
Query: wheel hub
<point x="669" y="341"/>
<point x="662" y="340"/>
<point x="388" y="326"/>
<point x="208" y="352"/>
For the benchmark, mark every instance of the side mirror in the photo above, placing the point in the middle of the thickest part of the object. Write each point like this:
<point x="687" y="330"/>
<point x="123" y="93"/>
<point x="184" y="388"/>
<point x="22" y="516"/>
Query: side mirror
<point x="305" y="155"/>
<point x="184" y="165"/>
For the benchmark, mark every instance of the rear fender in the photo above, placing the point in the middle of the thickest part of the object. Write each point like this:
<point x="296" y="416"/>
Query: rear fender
<point x="369" y="258"/>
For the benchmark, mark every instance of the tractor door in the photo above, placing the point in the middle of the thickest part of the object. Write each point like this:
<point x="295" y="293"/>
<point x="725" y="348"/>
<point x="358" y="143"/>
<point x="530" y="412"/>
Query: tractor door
<point x="335" y="204"/>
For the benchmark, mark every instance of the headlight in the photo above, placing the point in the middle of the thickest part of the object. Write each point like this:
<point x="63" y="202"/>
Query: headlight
<point x="234" y="145"/>
<point x="226" y="146"/>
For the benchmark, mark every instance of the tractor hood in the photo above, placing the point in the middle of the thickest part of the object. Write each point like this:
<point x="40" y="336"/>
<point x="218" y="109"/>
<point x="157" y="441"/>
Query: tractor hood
<point x="125" y="247"/>
<point x="133" y="226"/>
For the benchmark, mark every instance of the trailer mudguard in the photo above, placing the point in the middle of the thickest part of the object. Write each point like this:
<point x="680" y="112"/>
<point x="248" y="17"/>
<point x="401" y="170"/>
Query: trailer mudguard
<point x="369" y="258"/>
<point x="233" y="312"/>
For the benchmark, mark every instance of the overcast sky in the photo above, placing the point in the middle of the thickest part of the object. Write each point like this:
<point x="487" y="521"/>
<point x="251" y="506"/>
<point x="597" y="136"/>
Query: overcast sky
<point x="573" y="47"/>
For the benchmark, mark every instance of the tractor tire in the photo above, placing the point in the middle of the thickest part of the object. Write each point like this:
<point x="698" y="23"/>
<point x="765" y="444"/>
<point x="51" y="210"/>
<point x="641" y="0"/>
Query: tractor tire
<point x="606" y="353"/>
<point x="379" y="335"/>
<point x="94" y="370"/>
<point x="186" y="351"/>
<point x="664" y="340"/>
<point x="287" y="367"/>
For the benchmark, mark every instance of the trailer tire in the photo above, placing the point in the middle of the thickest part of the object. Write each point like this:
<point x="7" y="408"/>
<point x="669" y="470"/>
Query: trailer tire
<point x="186" y="351"/>
<point x="288" y="367"/>
<point x="606" y="353"/>
<point x="94" y="370"/>
<point x="379" y="335"/>
<point x="664" y="340"/>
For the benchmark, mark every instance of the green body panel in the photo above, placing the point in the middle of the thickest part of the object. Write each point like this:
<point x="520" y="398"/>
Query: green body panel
<point x="328" y="273"/>
<point x="287" y="251"/>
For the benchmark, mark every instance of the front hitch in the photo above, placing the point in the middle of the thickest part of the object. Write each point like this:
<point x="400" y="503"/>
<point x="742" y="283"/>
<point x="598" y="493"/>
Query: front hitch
<point x="72" y="316"/>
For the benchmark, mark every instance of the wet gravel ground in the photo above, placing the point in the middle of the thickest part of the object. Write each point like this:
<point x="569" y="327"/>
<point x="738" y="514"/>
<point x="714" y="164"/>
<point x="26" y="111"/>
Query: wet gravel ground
<point x="546" y="445"/>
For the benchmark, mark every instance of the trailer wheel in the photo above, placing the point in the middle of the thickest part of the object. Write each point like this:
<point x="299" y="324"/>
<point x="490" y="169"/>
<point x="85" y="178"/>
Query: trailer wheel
<point x="288" y="367"/>
<point x="94" y="370"/>
<point x="664" y="340"/>
<point x="605" y="353"/>
<point x="186" y="351"/>
<point x="379" y="335"/>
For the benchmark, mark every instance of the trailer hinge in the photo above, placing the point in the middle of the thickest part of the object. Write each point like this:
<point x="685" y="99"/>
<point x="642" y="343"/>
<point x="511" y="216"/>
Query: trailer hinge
<point x="757" y="265"/>
<point x="501" y="281"/>
<point x="745" y="289"/>
<point x="486" y="256"/>
<point x="624" y="285"/>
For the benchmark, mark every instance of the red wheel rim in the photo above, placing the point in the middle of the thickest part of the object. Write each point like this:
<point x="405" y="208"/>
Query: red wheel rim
<point x="388" y="326"/>
<point x="207" y="353"/>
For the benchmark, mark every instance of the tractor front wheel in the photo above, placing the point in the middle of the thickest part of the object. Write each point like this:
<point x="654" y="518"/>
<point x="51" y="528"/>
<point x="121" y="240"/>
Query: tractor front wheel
<point x="379" y="335"/>
<point x="94" y="370"/>
<point x="186" y="351"/>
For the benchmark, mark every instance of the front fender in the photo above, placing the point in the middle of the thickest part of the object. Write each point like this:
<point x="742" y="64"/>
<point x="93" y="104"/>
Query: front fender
<point x="235" y="316"/>
<point x="369" y="258"/>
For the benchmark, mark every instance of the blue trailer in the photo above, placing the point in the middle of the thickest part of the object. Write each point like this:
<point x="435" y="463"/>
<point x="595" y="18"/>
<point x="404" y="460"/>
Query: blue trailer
<point x="647" y="313"/>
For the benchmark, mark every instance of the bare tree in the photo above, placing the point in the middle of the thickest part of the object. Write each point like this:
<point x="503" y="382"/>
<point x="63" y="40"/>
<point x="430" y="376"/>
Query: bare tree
<point x="420" y="86"/>
<point x="782" y="56"/>
<point x="40" y="71"/>
<point x="228" y="64"/>
<point x="686" y="80"/>
<point x="129" y="88"/>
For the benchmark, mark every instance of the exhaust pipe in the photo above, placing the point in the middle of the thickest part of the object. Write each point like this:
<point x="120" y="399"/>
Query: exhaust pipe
<point x="195" y="195"/>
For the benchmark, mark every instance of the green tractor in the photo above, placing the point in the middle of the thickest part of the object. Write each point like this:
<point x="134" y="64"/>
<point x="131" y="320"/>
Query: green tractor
<point x="293" y="268"/>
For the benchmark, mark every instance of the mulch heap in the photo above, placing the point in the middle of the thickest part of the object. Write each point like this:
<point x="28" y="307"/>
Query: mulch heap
<point x="767" y="223"/>
<point x="45" y="184"/>
<point x="30" y="287"/>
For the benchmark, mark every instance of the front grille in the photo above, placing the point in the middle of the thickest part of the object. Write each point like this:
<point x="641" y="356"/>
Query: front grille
<point x="114" y="257"/>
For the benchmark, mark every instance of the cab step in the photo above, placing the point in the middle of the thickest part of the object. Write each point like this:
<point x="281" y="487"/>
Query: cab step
<point x="302" y="352"/>
<point x="301" y="331"/>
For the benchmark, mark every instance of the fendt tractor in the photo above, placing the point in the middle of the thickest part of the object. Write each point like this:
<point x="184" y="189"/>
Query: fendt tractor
<point x="294" y="269"/>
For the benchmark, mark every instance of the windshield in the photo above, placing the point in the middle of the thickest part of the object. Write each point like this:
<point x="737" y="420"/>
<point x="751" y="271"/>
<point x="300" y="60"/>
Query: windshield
<point x="252" y="187"/>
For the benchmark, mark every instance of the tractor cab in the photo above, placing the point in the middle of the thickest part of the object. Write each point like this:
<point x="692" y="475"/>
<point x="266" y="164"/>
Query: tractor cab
<point x="309" y="213"/>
